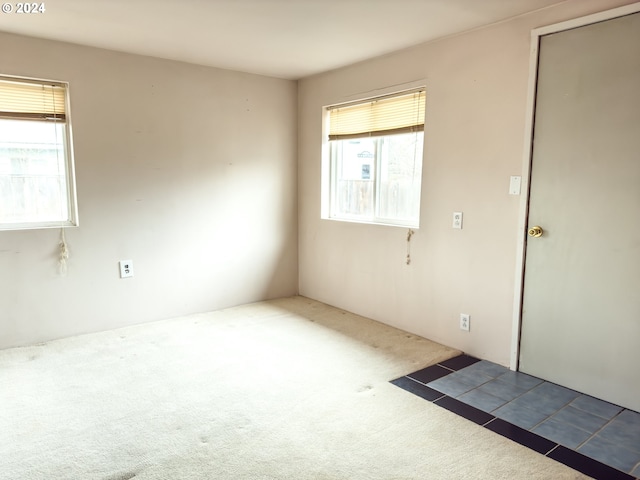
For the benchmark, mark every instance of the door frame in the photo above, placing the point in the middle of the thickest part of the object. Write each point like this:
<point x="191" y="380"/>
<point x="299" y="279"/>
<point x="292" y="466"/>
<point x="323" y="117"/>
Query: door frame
<point x="527" y="157"/>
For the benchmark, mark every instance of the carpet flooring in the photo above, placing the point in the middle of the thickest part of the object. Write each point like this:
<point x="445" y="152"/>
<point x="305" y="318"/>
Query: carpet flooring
<point x="284" y="389"/>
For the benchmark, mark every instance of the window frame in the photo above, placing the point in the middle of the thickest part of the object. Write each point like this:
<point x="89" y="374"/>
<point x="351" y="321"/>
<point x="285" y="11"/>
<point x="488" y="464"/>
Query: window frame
<point x="69" y="194"/>
<point x="330" y="168"/>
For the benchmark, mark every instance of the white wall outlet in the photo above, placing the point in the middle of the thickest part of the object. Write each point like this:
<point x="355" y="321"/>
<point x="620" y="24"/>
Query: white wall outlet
<point x="465" y="322"/>
<point x="126" y="268"/>
<point x="457" y="220"/>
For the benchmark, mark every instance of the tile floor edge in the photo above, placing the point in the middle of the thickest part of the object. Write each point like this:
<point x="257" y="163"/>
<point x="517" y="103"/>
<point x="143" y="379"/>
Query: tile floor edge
<point x="556" y="451"/>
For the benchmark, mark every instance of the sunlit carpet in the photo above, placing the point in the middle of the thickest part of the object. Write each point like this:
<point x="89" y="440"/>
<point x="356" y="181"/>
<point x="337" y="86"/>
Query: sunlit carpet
<point x="284" y="389"/>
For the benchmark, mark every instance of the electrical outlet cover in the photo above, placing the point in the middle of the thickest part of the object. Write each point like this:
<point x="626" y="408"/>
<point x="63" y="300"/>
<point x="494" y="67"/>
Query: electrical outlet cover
<point x="126" y="268"/>
<point x="457" y="220"/>
<point x="465" y="322"/>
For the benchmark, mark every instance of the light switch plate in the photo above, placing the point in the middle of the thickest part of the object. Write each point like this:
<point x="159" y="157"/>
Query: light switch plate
<point x="514" y="185"/>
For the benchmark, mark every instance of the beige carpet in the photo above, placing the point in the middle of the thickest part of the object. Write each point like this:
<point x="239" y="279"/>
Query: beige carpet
<point x="286" y="389"/>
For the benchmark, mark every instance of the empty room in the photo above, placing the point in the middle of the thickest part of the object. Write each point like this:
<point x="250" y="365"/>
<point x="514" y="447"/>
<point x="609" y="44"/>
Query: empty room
<point x="319" y="239"/>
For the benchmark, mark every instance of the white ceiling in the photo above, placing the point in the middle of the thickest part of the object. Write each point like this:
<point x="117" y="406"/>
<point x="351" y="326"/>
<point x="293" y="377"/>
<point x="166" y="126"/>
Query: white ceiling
<point x="280" y="38"/>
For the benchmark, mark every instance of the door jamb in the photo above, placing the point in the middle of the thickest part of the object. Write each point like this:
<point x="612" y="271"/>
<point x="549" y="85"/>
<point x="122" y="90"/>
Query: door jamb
<point x="527" y="157"/>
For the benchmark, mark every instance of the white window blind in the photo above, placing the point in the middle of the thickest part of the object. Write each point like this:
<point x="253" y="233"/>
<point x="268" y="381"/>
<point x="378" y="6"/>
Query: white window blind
<point x="388" y="115"/>
<point x="32" y="100"/>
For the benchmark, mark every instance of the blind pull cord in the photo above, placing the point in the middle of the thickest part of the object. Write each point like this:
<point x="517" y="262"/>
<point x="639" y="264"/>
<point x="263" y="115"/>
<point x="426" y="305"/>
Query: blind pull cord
<point x="64" y="254"/>
<point x="409" y="235"/>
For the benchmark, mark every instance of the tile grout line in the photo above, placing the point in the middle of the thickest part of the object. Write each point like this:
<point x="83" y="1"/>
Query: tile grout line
<point x="552" y="448"/>
<point x="450" y="369"/>
<point x="494" y="418"/>
<point x="553" y="415"/>
<point x="608" y="423"/>
<point x="417" y="381"/>
<point x="427" y="385"/>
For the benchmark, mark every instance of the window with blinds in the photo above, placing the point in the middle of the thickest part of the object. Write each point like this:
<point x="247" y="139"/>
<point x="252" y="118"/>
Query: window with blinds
<point x="37" y="186"/>
<point x="375" y="164"/>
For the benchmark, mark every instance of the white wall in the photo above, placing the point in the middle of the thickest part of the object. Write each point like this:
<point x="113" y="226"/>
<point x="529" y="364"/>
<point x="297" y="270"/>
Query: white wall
<point x="189" y="171"/>
<point x="476" y="109"/>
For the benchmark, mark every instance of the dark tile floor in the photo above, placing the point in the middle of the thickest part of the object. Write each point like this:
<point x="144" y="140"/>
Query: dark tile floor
<point x="597" y="438"/>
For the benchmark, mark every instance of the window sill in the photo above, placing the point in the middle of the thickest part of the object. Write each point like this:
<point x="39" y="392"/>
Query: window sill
<point x="372" y="222"/>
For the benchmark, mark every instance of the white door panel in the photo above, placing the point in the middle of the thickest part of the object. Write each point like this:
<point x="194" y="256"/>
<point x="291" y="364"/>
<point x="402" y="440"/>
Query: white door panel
<point x="581" y="301"/>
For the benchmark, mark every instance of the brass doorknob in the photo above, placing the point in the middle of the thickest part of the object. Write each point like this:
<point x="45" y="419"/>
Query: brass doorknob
<point x="535" y="231"/>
